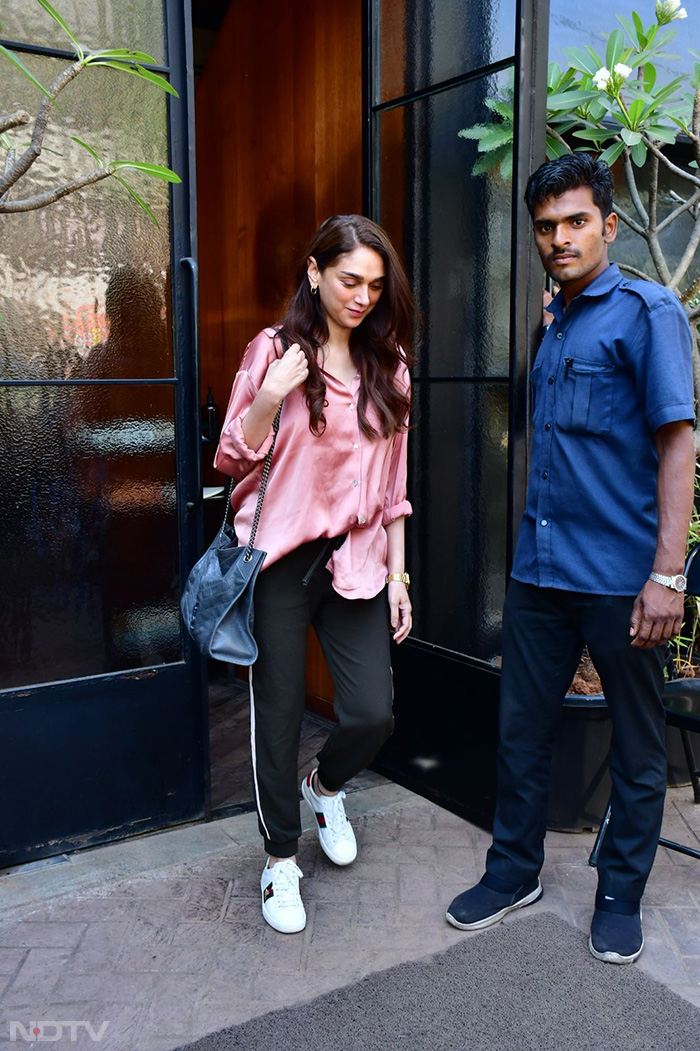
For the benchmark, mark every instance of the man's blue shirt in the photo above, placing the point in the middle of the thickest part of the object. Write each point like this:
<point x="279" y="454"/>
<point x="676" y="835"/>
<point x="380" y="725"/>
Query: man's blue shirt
<point x="611" y="369"/>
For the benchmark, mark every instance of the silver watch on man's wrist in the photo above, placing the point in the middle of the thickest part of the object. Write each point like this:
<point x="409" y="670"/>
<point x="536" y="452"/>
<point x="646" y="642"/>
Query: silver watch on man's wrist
<point x="677" y="583"/>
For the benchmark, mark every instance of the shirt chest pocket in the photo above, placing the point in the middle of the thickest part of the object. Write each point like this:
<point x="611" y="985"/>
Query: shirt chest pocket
<point x="585" y="396"/>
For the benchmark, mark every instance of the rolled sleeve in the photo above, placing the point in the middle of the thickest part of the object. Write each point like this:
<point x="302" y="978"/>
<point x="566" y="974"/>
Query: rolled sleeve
<point x="234" y="456"/>
<point x="400" y="510"/>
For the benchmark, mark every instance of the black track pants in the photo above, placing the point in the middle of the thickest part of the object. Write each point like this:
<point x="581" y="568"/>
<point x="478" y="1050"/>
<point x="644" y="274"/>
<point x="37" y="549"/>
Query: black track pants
<point x="544" y="630"/>
<point x="354" y="636"/>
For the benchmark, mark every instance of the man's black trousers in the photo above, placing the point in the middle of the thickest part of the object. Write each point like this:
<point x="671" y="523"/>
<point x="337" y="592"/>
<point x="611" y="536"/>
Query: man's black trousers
<point x="355" y="637"/>
<point x="544" y="631"/>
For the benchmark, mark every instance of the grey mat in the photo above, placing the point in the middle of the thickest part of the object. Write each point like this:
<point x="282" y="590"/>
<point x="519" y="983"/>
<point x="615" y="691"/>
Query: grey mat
<point x="528" y="985"/>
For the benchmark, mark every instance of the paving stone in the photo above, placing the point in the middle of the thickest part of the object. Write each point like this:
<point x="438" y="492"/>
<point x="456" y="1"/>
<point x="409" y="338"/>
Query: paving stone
<point x="10" y="959"/>
<point x="684" y="928"/>
<point x="44" y="934"/>
<point x="37" y="976"/>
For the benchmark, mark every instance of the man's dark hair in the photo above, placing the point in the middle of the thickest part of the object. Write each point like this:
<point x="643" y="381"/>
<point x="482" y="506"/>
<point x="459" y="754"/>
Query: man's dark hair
<point x="553" y="178"/>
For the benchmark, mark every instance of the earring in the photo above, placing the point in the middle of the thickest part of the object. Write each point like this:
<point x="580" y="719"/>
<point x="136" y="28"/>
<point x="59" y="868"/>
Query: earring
<point x="314" y="290"/>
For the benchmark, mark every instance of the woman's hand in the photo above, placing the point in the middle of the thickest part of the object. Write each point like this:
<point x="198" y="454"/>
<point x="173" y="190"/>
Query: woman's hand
<point x="400" y="609"/>
<point x="285" y="374"/>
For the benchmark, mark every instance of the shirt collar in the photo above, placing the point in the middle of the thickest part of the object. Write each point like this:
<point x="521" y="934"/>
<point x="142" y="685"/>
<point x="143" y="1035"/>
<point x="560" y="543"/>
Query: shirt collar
<point x="603" y="284"/>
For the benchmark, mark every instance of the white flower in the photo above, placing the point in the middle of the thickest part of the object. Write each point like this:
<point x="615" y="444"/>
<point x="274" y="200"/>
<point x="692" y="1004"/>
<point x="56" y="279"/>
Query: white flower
<point x="622" y="70"/>
<point x="668" y="11"/>
<point x="602" y="79"/>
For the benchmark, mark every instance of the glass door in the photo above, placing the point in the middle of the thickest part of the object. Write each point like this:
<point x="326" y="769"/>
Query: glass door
<point x="101" y="697"/>
<point x="466" y="243"/>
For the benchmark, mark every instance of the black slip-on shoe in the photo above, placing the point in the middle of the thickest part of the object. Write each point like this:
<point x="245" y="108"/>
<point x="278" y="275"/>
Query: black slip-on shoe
<point x="480" y="906"/>
<point x="616" y="937"/>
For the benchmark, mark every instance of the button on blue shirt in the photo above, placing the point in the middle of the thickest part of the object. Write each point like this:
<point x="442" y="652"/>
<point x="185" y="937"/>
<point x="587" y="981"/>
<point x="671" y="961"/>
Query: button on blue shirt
<point x="611" y="369"/>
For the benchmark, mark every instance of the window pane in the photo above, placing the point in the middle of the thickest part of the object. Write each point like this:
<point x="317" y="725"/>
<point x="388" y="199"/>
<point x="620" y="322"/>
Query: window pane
<point x="457" y="535"/>
<point x="96" y="24"/>
<point x="423" y="43"/>
<point x="88" y="563"/>
<point x="452" y="229"/>
<point x="86" y="279"/>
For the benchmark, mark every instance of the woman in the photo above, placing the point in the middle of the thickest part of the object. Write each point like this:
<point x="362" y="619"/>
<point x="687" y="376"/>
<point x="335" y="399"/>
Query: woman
<point x="333" y="528"/>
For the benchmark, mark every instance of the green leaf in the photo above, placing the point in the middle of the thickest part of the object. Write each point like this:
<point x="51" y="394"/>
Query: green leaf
<point x="121" y="53"/>
<point x="615" y="49"/>
<point x="660" y="131"/>
<point x="23" y="69"/>
<point x="157" y="170"/>
<point x="596" y="135"/>
<point x="649" y="76"/>
<point x="639" y="153"/>
<point x="144" y="74"/>
<point x="631" y="137"/>
<point x="584" y="60"/>
<point x="571" y="99"/>
<point x="506" y="166"/>
<point x="628" y="27"/>
<point x="139" y="200"/>
<point x="639" y="26"/>
<point x="476" y="132"/>
<point x="612" y="153"/>
<point x="57" y="18"/>
<point x="635" y="112"/>
<point x="495" y="136"/>
<point x="489" y="161"/>
<point x="89" y="149"/>
<point x="504" y="109"/>
<point x="555" y="148"/>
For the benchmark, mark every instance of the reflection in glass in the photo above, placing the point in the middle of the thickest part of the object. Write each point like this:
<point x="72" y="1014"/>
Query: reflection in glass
<point x="457" y="535"/>
<point x="453" y="229"/>
<point x="59" y="262"/>
<point x="96" y="24"/>
<point x="88" y="567"/>
<point x="423" y="43"/>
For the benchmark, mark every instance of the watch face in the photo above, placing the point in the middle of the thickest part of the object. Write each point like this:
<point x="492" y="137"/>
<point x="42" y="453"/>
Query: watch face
<point x="679" y="582"/>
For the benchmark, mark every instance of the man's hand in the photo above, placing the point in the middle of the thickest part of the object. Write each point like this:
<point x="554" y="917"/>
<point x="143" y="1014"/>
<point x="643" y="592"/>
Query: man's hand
<point x="400" y="609"/>
<point x="656" y="617"/>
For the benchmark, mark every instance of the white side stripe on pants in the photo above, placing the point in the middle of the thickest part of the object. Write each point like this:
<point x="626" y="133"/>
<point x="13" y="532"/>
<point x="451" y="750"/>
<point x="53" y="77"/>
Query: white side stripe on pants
<point x="253" y="753"/>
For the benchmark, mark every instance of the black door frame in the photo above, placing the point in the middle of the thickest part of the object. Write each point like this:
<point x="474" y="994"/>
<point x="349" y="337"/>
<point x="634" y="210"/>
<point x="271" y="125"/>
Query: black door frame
<point x="86" y="745"/>
<point x="460" y="729"/>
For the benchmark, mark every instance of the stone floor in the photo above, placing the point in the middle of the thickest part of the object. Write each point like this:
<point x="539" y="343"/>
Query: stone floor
<point x="162" y="937"/>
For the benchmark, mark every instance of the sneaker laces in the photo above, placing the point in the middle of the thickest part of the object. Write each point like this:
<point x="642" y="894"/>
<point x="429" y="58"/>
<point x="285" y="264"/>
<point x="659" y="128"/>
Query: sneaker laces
<point x="285" y="879"/>
<point x="334" y="813"/>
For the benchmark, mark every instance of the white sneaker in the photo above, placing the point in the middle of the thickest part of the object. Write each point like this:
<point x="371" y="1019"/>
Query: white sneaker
<point x="282" y="906"/>
<point x="335" y="832"/>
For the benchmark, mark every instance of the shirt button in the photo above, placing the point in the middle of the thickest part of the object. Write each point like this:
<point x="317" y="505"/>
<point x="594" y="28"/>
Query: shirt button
<point x="547" y="427"/>
<point x="550" y="380"/>
<point x="362" y="521"/>
<point x="355" y="445"/>
<point x="544" y="474"/>
<point x="560" y="335"/>
<point x="543" y="522"/>
<point x="355" y="482"/>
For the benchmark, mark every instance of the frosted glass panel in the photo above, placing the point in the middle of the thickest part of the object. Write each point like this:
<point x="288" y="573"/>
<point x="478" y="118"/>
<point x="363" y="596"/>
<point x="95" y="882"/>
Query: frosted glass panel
<point x="458" y="488"/>
<point x="88" y="560"/>
<point x="85" y="291"/>
<point x="423" y="43"/>
<point x="96" y="24"/>
<point x="453" y="230"/>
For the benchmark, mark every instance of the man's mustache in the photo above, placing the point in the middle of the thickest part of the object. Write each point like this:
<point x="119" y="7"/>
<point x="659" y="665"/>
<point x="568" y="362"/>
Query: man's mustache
<point x="553" y="256"/>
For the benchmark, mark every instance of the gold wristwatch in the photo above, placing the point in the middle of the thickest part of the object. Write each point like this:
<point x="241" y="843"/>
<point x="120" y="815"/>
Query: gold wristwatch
<point x="403" y="577"/>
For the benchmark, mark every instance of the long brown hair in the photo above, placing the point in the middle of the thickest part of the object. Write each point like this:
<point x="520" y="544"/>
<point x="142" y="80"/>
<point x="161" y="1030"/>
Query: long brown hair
<point x="379" y="343"/>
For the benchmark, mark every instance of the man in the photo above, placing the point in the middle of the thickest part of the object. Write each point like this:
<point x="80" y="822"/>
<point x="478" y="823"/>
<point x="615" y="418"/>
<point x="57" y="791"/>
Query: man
<point x="600" y="554"/>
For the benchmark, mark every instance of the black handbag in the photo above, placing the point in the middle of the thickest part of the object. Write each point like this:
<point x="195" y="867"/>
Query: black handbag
<point x="217" y="603"/>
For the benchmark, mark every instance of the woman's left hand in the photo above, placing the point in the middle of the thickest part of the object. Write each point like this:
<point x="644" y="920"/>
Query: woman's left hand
<point x="400" y="609"/>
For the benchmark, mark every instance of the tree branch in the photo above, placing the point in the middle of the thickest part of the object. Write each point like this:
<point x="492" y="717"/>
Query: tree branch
<point x="637" y="273"/>
<point x="30" y="204"/>
<point x="688" y="257"/>
<point x="672" y="216"/>
<point x="13" y="120"/>
<point x="24" y="163"/>
<point x="632" y="187"/>
<point x="653" y="193"/>
<point x="9" y="161"/>
<point x="694" y="313"/>
<point x="629" y="221"/>
<point x="557" y="136"/>
<point x="669" y="164"/>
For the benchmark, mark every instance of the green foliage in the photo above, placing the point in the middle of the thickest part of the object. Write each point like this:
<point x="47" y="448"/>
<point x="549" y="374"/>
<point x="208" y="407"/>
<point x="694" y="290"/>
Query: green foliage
<point x="124" y="60"/>
<point x="608" y="103"/>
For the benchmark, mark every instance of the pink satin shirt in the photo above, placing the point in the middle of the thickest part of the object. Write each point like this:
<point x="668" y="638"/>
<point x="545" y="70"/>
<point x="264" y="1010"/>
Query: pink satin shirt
<point x="319" y="486"/>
